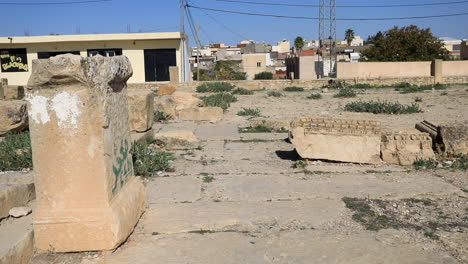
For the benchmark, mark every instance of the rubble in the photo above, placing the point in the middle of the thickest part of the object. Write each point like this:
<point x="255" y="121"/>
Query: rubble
<point x="405" y="148"/>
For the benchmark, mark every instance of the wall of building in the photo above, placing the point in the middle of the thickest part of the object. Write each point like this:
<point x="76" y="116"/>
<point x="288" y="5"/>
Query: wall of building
<point x="367" y="70"/>
<point x="134" y="50"/>
<point x="250" y="64"/>
<point x="307" y="68"/>
<point x="464" y="50"/>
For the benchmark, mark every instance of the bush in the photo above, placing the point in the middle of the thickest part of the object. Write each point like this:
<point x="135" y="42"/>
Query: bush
<point x="249" y="112"/>
<point x="418" y="99"/>
<point x="263" y="76"/>
<point x="215" y="87"/>
<point x="345" y="93"/>
<point x="332" y="84"/>
<point x="314" y="96"/>
<point x="241" y="91"/>
<point x="256" y="129"/>
<point x="461" y="163"/>
<point x="406" y="88"/>
<point x="293" y="89"/>
<point x="222" y="100"/>
<point x="15" y="152"/>
<point x="429" y="164"/>
<point x="275" y="94"/>
<point x="147" y="161"/>
<point x="384" y="107"/>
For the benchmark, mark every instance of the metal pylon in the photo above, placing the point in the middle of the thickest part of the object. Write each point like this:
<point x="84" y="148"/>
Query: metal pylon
<point x="327" y="34"/>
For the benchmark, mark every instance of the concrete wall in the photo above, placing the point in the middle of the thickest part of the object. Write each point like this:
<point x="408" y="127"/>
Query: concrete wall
<point x="250" y="64"/>
<point x="307" y="68"/>
<point x="455" y="68"/>
<point x="367" y="70"/>
<point x="134" y="50"/>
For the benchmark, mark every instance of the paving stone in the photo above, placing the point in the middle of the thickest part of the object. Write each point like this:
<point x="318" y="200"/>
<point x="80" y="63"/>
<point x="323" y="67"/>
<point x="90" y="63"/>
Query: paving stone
<point x="218" y="131"/>
<point x="15" y="195"/>
<point x="174" y="189"/>
<point x="16" y="241"/>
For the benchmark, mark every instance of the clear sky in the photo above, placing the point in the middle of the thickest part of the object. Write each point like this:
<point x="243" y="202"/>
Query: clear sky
<point x="164" y="15"/>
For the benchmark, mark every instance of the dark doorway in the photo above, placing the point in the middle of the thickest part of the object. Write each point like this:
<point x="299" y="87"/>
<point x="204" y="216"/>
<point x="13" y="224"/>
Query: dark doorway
<point x="157" y="62"/>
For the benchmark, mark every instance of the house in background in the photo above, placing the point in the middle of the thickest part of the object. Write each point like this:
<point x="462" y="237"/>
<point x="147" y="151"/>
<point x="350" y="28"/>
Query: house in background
<point x="464" y="50"/>
<point x="151" y="54"/>
<point x="257" y="63"/>
<point x="282" y="47"/>
<point x="452" y="45"/>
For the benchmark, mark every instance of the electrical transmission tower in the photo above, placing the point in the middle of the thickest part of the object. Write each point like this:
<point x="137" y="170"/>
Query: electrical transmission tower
<point x="327" y="36"/>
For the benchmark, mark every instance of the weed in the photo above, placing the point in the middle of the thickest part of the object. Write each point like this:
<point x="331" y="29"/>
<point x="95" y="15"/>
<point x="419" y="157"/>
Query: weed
<point x="444" y="93"/>
<point x="345" y="93"/>
<point x="202" y="232"/>
<point x="293" y="89"/>
<point x="15" y="152"/>
<point x="208" y="179"/>
<point x="299" y="164"/>
<point x="431" y="235"/>
<point x="147" y="161"/>
<point x="161" y="116"/>
<point x="362" y="86"/>
<point x="155" y="233"/>
<point x="335" y="84"/>
<point x="384" y="107"/>
<point x="418" y="99"/>
<point x="379" y="172"/>
<point x="222" y="100"/>
<point x="316" y="172"/>
<point x="464" y="190"/>
<point x="428" y="164"/>
<point x="274" y="94"/>
<point x="461" y="163"/>
<point x="256" y="129"/>
<point x="215" y="87"/>
<point x="406" y="88"/>
<point x="249" y="112"/>
<point x="241" y="91"/>
<point x="315" y="96"/>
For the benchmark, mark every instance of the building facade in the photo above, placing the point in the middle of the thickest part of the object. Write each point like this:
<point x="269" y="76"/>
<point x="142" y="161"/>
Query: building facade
<point x="151" y="54"/>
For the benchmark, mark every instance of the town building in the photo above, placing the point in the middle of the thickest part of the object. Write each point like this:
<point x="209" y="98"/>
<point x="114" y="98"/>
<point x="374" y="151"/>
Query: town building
<point x="256" y="63"/>
<point x="282" y="47"/>
<point x="151" y="54"/>
<point x="452" y="45"/>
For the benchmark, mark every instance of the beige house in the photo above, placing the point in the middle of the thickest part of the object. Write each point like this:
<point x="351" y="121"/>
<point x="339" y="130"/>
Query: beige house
<point x="256" y="63"/>
<point x="151" y="54"/>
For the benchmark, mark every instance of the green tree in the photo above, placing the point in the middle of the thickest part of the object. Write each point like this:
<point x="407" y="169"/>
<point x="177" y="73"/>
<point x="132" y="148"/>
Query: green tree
<point x="349" y="36"/>
<point x="299" y="44"/>
<point x="408" y="43"/>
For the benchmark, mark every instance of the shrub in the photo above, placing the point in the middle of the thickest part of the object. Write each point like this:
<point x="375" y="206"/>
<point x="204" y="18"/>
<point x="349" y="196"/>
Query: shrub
<point x="428" y="164"/>
<point x="241" y="91"/>
<point x="215" y="87"/>
<point x="147" y="161"/>
<point x="275" y="94"/>
<point x="345" y="93"/>
<point x="15" y="152"/>
<point x="300" y="164"/>
<point x="161" y="116"/>
<point x="384" y="107"/>
<point x="222" y="100"/>
<point x="314" y="96"/>
<point x="249" y="112"/>
<point x="406" y="88"/>
<point x="293" y="89"/>
<point x="418" y="99"/>
<point x="332" y="84"/>
<point x="256" y="129"/>
<point x="461" y="163"/>
<point x="263" y="76"/>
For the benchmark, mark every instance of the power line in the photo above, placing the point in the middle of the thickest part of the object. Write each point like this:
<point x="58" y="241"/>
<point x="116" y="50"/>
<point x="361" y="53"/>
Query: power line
<point x="343" y="6"/>
<point x="316" y="18"/>
<point x="56" y="3"/>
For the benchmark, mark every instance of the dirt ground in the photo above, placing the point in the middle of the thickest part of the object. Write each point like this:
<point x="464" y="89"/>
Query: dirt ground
<point x="239" y="199"/>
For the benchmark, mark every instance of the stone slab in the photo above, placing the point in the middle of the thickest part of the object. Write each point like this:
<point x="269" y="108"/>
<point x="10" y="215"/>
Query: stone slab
<point x="16" y="241"/>
<point x="201" y="114"/>
<point x="15" y="195"/>
<point x="240" y="216"/>
<point x="174" y="190"/>
<point x="454" y="137"/>
<point x="218" y="131"/>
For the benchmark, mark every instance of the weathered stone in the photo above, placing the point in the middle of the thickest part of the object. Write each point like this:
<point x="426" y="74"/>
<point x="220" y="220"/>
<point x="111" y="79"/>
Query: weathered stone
<point x="177" y="140"/>
<point x="14" y="195"/>
<point x="201" y="114"/>
<point x="20" y="211"/>
<point x="13" y="116"/>
<point x="339" y="140"/>
<point x="13" y="92"/>
<point x="186" y="100"/>
<point x="166" y="90"/>
<point x="174" y="74"/>
<point x="165" y="104"/>
<point x="87" y="195"/>
<point x="140" y="110"/>
<point x="454" y="138"/>
<point x="2" y="92"/>
<point x="406" y="148"/>
<point x="16" y="241"/>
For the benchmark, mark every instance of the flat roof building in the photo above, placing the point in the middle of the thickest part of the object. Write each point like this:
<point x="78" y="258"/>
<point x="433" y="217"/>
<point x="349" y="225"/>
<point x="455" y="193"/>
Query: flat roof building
<point x="151" y="54"/>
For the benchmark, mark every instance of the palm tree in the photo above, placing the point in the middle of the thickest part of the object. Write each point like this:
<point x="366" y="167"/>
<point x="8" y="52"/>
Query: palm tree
<point x="349" y="36"/>
<point x="299" y="44"/>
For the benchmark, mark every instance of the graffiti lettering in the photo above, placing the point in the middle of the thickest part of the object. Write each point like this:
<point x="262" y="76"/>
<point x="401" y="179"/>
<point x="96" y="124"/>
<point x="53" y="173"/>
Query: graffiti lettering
<point x="122" y="167"/>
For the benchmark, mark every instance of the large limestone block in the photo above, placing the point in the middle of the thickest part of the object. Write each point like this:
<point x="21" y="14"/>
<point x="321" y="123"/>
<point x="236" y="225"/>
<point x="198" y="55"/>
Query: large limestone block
<point x="186" y="100"/>
<point x="13" y="116"/>
<point x="87" y="195"/>
<point x="454" y="138"/>
<point x="338" y="140"/>
<point x="165" y="104"/>
<point x="166" y="90"/>
<point x="406" y="148"/>
<point x="177" y="140"/>
<point x="140" y="110"/>
<point x="201" y="114"/>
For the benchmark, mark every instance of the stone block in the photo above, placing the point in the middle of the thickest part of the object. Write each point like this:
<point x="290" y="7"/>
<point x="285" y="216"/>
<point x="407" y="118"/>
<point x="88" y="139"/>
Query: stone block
<point x="201" y="114"/>
<point x="140" y="110"/>
<point x="13" y="92"/>
<point x="165" y="104"/>
<point x="406" y="148"/>
<point x="13" y="116"/>
<point x="15" y="195"/>
<point x="2" y="92"/>
<point x="177" y="140"/>
<point x="88" y="198"/>
<point x="174" y="74"/>
<point x="338" y="140"/>
<point x="166" y="90"/>
<point x="454" y="138"/>
<point x="186" y="100"/>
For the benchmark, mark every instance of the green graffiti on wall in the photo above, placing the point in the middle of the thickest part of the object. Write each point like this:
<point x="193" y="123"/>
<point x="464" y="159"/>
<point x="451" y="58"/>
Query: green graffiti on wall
<point x="122" y="167"/>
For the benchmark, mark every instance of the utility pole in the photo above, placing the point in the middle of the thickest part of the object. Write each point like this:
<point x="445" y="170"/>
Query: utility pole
<point x="333" y="37"/>
<point x="327" y="26"/>
<point x="322" y="29"/>
<point x="183" y="39"/>
<point x="199" y="51"/>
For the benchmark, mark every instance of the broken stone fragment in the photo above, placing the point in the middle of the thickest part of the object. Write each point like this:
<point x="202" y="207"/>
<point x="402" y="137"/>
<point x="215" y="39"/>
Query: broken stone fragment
<point x="13" y="116"/>
<point x="405" y="148"/>
<point x="177" y="140"/>
<point x="140" y="110"/>
<point x="17" y="212"/>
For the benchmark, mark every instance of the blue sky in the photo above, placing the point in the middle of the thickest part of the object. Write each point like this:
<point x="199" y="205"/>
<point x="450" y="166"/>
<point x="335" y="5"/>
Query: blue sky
<point x="163" y="15"/>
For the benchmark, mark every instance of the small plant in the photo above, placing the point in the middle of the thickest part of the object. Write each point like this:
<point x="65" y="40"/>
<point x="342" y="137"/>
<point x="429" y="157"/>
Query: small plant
<point x="208" y="179"/>
<point x="418" y="99"/>
<point x="161" y="116"/>
<point x="249" y="112"/>
<point x="461" y="163"/>
<point x="384" y="107"/>
<point x="315" y="96"/>
<point x="15" y="152"/>
<point x="428" y="164"/>
<point x="147" y="161"/>
<point x="274" y="94"/>
<point x="293" y="89"/>
<point x="431" y="235"/>
<point x="263" y="76"/>
<point x="332" y="84"/>
<point x="256" y="129"/>
<point x="241" y="91"/>
<point x="406" y="88"/>
<point x="300" y="164"/>
<point x="202" y="232"/>
<point x="444" y="93"/>
<point x="222" y="100"/>
<point x="362" y="86"/>
<point x="215" y="87"/>
<point x="345" y="93"/>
